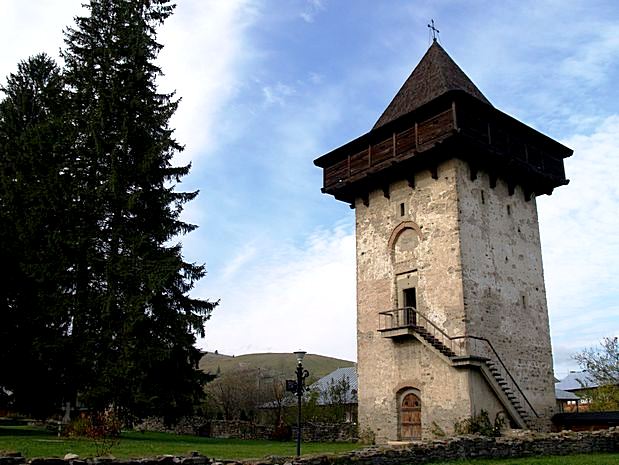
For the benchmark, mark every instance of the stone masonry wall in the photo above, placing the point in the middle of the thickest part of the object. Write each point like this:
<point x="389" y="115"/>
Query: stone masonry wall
<point x="429" y="250"/>
<point x="238" y="429"/>
<point x="504" y="293"/>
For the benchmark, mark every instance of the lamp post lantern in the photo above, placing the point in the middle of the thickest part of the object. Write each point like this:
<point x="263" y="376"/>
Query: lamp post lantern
<point x="298" y="386"/>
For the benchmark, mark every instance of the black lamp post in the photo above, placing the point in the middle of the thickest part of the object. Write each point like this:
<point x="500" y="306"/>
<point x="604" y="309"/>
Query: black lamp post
<point x="298" y="387"/>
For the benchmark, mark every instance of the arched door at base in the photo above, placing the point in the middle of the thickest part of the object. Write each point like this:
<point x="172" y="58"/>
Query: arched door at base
<point x="410" y="417"/>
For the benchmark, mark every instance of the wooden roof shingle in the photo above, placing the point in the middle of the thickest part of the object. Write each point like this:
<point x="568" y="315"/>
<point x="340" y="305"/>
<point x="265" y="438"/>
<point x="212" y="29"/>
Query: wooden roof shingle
<point x="435" y="75"/>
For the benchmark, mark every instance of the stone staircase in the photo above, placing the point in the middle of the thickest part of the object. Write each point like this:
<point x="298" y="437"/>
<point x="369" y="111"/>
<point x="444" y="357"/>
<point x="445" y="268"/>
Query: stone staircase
<point x="509" y="393"/>
<point x="433" y="341"/>
<point x="465" y="351"/>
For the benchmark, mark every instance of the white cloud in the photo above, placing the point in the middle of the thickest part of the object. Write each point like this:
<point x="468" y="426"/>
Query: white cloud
<point x="277" y="94"/>
<point x="311" y="10"/>
<point x="579" y="225"/>
<point x="291" y="297"/>
<point x="31" y="27"/>
<point x="203" y="58"/>
<point x="591" y="63"/>
<point x="243" y="257"/>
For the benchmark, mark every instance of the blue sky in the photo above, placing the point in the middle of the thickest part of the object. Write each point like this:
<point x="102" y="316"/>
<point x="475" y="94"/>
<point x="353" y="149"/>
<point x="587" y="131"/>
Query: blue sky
<point x="269" y="85"/>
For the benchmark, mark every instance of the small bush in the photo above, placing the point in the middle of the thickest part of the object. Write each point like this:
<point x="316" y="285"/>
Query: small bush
<point x="367" y="436"/>
<point x="282" y="432"/>
<point x="78" y="428"/>
<point x="102" y="428"/>
<point x="480" y="424"/>
<point x="437" y="431"/>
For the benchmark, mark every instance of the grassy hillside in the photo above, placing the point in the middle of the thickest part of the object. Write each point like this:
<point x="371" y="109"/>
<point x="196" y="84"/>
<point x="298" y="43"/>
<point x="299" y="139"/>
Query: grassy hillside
<point x="274" y="364"/>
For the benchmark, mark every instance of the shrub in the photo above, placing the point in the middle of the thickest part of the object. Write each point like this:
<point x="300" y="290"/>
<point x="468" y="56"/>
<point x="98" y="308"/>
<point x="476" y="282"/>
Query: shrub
<point x="480" y="424"/>
<point x="437" y="431"/>
<point x="103" y="428"/>
<point x="282" y="432"/>
<point x="367" y="436"/>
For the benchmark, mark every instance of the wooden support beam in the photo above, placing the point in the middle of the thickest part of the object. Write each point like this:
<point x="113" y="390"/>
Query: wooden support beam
<point x="511" y="187"/>
<point x="528" y="195"/>
<point x="454" y="115"/>
<point x="394" y="145"/>
<point x="474" y="172"/>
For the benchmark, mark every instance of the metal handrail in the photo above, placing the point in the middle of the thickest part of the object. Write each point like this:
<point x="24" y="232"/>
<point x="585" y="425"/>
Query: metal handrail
<point x="404" y="315"/>
<point x="505" y="369"/>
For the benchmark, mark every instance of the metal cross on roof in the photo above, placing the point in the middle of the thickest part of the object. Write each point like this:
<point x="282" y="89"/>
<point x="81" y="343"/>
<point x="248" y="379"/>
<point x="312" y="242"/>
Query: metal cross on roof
<point x="435" y="31"/>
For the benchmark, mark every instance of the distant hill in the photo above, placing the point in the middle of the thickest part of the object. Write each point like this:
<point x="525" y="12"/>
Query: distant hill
<point x="272" y="364"/>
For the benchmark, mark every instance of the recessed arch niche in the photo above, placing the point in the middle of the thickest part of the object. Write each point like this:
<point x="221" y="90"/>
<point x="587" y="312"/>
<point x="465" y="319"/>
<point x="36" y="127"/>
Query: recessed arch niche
<point x="403" y="245"/>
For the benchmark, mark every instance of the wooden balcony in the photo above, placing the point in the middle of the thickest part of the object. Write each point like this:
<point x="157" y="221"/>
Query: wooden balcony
<point x="455" y="125"/>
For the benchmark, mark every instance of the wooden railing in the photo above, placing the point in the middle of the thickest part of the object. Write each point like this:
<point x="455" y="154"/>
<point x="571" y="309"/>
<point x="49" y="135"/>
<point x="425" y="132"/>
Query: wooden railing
<point x="397" y="144"/>
<point x="511" y="140"/>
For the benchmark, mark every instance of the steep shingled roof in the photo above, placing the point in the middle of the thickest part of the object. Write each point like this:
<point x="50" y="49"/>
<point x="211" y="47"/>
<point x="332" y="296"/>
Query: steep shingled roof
<point x="435" y="74"/>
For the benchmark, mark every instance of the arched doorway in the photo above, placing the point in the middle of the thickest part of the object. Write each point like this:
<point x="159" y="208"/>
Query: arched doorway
<point x="410" y="417"/>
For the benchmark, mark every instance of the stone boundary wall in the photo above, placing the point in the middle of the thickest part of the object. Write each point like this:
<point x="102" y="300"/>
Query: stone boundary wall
<point x="238" y="429"/>
<point x="201" y="426"/>
<point x="463" y="447"/>
<point x="327" y="432"/>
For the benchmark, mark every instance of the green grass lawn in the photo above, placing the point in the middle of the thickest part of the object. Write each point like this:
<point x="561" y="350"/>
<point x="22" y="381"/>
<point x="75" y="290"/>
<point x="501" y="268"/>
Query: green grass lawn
<point x="37" y="442"/>
<point x="33" y="442"/>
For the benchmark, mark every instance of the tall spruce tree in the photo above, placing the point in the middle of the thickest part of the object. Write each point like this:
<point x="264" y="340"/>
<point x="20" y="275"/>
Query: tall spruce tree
<point x="35" y="205"/>
<point x="133" y="324"/>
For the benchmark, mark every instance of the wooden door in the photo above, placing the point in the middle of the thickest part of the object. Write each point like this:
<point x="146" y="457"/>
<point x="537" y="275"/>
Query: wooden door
<point x="410" y="417"/>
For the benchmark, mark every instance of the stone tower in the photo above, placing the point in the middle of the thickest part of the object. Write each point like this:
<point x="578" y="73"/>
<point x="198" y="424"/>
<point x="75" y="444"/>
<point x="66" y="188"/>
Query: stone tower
<point x="451" y="305"/>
